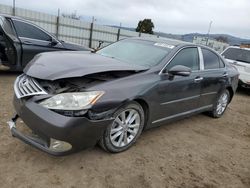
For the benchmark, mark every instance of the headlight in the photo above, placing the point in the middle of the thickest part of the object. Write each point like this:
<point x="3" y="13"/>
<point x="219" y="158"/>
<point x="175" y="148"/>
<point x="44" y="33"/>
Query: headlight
<point x="72" y="101"/>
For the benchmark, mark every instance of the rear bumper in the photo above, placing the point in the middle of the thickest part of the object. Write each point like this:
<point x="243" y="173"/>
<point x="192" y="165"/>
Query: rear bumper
<point x="80" y="132"/>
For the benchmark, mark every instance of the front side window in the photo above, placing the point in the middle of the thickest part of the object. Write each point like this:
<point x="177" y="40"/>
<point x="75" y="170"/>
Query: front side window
<point x="188" y="57"/>
<point x="29" y="31"/>
<point x="211" y="60"/>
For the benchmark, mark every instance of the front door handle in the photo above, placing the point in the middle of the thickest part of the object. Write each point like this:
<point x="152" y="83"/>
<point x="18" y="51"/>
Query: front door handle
<point x="27" y="42"/>
<point x="198" y="79"/>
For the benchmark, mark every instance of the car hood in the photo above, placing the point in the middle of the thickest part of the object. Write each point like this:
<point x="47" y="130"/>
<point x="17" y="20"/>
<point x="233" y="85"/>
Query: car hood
<point x="64" y="64"/>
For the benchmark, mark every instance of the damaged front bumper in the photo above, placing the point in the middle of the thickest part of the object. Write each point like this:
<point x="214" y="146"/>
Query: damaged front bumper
<point x="54" y="133"/>
<point x="51" y="146"/>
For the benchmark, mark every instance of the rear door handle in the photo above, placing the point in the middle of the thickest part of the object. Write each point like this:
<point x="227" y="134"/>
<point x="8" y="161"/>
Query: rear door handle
<point x="224" y="75"/>
<point x="198" y="79"/>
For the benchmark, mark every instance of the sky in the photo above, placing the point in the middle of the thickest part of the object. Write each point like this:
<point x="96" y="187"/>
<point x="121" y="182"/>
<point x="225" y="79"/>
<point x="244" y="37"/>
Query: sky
<point x="169" y="16"/>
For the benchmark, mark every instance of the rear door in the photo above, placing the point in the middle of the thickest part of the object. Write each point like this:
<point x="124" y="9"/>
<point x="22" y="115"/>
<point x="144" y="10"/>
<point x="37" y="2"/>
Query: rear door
<point x="214" y="77"/>
<point x="34" y="40"/>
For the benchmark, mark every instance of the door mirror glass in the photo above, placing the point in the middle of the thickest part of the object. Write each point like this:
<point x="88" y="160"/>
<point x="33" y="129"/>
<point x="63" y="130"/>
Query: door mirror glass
<point x="179" y="70"/>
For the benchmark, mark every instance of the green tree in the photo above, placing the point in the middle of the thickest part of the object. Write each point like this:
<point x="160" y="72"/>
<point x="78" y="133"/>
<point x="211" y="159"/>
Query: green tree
<point x="145" y="26"/>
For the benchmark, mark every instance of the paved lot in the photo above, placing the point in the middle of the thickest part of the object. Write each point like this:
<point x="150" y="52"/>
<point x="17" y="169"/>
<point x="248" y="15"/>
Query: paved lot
<point x="196" y="152"/>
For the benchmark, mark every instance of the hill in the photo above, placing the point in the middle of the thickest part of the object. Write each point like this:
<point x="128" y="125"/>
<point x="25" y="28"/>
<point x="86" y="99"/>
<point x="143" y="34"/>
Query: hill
<point x="232" y="40"/>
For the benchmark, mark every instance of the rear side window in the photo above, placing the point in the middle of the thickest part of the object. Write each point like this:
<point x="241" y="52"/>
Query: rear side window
<point x="211" y="60"/>
<point x="187" y="57"/>
<point x="29" y="31"/>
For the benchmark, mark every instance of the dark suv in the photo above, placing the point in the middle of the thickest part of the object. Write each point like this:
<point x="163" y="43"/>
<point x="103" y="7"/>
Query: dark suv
<point x="21" y="40"/>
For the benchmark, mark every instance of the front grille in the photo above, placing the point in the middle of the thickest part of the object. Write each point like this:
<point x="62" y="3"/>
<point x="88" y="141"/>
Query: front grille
<point x="26" y="86"/>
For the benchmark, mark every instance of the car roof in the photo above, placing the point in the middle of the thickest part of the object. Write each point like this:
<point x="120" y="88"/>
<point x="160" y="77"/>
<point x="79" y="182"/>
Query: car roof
<point x="169" y="41"/>
<point x="237" y="47"/>
<point x="174" y="42"/>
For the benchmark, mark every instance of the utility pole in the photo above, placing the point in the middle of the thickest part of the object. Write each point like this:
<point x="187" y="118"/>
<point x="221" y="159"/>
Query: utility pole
<point x="208" y="32"/>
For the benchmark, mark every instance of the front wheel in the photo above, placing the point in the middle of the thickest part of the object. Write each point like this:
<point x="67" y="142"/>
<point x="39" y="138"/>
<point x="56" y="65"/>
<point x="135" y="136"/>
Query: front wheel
<point x="221" y="104"/>
<point x="125" y="129"/>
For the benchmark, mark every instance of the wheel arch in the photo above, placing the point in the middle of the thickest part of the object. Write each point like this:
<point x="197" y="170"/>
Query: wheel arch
<point x="231" y="92"/>
<point x="145" y="108"/>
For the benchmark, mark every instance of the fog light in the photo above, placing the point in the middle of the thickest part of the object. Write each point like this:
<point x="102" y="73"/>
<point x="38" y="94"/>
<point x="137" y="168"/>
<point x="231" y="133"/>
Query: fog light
<point x="59" y="146"/>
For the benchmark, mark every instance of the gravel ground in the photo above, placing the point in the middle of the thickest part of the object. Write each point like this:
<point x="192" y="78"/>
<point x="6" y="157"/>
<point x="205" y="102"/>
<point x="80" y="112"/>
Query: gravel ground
<point x="198" y="152"/>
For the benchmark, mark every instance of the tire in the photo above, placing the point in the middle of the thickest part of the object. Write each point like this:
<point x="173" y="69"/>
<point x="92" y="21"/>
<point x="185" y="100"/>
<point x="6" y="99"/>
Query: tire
<point x="123" y="132"/>
<point x="221" y="104"/>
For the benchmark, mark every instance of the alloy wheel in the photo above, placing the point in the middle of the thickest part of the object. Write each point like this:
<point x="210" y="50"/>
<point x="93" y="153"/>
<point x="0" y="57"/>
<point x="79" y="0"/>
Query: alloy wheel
<point x="222" y="103"/>
<point x="125" y="127"/>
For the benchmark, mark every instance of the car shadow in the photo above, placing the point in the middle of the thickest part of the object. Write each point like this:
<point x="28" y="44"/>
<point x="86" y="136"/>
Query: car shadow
<point x="243" y="91"/>
<point x="9" y="73"/>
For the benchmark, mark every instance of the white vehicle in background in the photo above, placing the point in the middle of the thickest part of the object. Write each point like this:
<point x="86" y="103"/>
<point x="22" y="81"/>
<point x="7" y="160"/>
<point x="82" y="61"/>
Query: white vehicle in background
<point x="240" y="58"/>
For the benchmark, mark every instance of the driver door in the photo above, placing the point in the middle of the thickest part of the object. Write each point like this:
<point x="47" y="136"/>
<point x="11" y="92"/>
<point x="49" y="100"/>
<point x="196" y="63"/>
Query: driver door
<point x="180" y="95"/>
<point x="33" y="40"/>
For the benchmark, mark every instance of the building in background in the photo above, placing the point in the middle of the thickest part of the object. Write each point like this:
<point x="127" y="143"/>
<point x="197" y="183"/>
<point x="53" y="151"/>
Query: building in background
<point x="216" y="45"/>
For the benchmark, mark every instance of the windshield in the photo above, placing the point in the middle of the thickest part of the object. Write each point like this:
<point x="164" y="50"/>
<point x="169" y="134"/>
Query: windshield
<point x="237" y="54"/>
<point x="137" y="52"/>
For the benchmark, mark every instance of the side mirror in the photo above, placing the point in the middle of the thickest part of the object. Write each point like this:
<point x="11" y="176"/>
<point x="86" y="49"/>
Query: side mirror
<point x="179" y="70"/>
<point x="53" y="42"/>
<point x="100" y="44"/>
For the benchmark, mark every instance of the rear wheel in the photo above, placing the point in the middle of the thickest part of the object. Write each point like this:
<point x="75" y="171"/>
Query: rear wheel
<point x="221" y="104"/>
<point x="125" y="129"/>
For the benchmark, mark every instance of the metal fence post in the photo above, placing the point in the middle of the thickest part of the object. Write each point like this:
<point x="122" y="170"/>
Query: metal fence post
<point x="91" y="34"/>
<point x="14" y="8"/>
<point x="118" y="34"/>
<point x="57" y="23"/>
